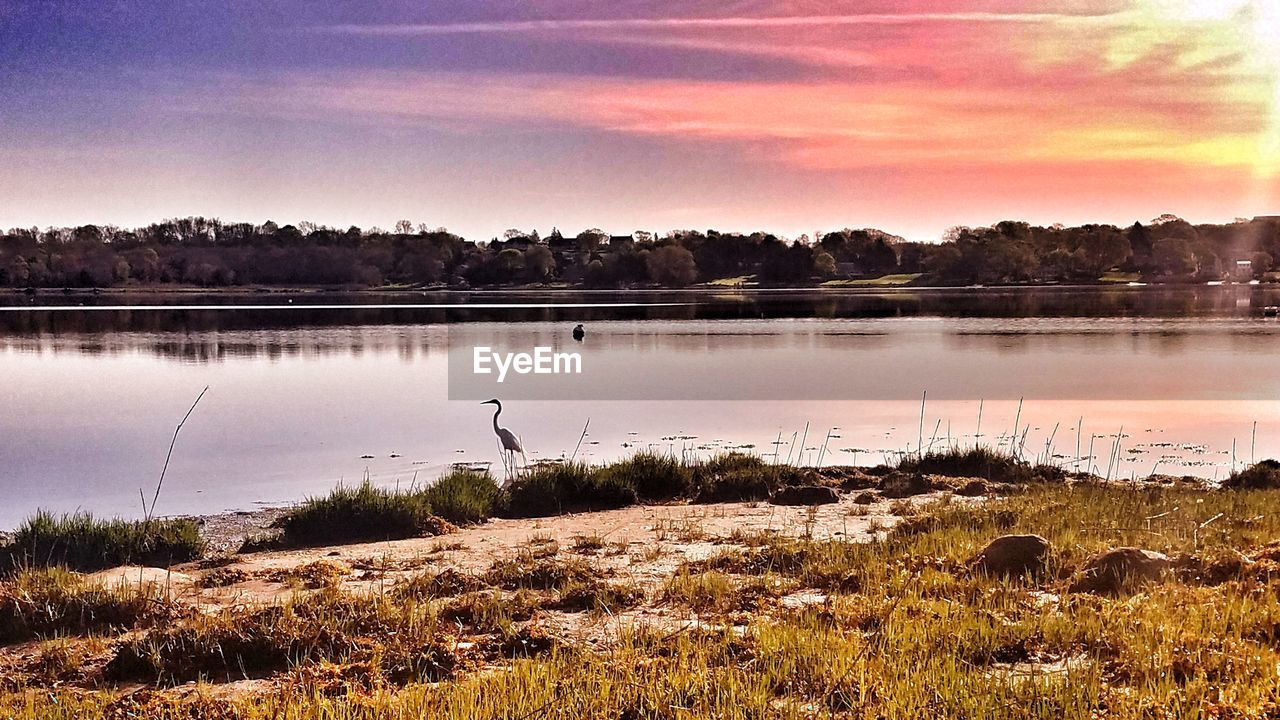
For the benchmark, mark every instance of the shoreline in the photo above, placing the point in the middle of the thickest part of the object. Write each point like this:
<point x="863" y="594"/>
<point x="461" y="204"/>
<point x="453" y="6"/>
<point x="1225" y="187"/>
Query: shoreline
<point x="854" y="286"/>
<point x="226" y="530"/>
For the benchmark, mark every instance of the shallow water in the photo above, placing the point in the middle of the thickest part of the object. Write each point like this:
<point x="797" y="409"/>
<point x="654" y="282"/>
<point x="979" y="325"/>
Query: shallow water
<point x="305" y="394"/>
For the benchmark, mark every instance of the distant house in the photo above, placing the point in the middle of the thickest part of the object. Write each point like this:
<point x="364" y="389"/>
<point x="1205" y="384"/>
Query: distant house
<point x="848" y="269"/>
<point x="558" y="242"/>
<point x="1243" y="270"/>
<point x="521" y="243"/>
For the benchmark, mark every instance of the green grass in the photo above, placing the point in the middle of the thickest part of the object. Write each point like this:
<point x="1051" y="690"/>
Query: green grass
<point x="978" y="462"/>
<point x="553" y="488"/>
<point x="366" y="513"/>
<point x="81" y="541"/>
<point x="737" y="476"/>
<point x="353" y="514"/>
<point x="655" y="477"/>
<point x="369" y="513"/>
<point x="464" y="496"/>
<point x="882" y="281"/>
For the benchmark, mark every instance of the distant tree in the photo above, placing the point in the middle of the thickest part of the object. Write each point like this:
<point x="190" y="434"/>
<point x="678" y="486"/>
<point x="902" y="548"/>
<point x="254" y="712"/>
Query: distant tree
<point x="1140" y="246"/>
<point x="510" y="262"/>
<point x="673" y="266"/>
<point x="404" y="227"/>
<point x="1261" y="263"/>
<point x="823" y="264"/>
<point x="1104" y="247"/>
<point x="539" y="263"/>
<point x="589" y="241"/>
<point x="1173" y="256"/>
<point x="596" y="275"/>
<point x="19" y="273"/>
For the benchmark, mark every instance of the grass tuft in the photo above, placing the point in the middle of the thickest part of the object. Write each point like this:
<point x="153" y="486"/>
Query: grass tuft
<point x="979" y="462"/>
<point x="80" y="541"/>
<point x="1259" y="476"/>
<point x="553" y="488"/>
<point x="361" y="513"/>
<point x="528" y="572"/>
<point x="464" y="496"/>
<point x="735" y="477"/>
<point x="655" y="477"/>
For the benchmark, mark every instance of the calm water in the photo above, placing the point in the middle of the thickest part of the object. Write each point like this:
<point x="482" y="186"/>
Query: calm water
<point x="305" y="393"/>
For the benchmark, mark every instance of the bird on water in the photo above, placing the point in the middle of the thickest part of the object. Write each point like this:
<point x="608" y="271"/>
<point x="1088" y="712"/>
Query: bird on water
<point x="507" y="439"/>
<point x="579" y="333"/>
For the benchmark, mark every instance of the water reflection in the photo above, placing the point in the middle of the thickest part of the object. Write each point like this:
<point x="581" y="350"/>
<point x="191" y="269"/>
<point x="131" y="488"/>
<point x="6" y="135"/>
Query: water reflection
<point x="302" y="395"/>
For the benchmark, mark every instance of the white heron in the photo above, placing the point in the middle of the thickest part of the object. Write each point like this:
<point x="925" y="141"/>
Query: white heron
<point x="507" y="439"/>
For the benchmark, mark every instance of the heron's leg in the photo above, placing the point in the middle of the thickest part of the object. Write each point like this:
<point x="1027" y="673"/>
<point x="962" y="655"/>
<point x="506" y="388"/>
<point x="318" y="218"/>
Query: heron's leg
<point x="506" y="465"/>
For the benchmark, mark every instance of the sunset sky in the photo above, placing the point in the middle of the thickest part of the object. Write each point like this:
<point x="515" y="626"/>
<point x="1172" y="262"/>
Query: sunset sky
<point x="787" y="115"/>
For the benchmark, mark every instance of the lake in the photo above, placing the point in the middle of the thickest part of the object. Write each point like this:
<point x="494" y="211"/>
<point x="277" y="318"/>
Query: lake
<point x="309" y="390"/>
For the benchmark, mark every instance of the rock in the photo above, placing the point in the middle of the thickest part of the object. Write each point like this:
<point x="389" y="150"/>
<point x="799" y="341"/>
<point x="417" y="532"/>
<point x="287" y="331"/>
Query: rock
<point x="866" y="497"/>
<point x="973" y="488"/>
<point x="804" y="495"/>
<point x="1111" y="571"/>
<point x="855" y="479"/>
<point x="1012" y="555"/>
<point x="1225" y="565"/>
<point x="901" y="485"/>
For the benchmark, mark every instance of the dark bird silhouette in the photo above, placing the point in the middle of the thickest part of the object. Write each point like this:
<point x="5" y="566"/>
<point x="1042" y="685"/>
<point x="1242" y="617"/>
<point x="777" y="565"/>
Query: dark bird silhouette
<point x="579" y="333"/>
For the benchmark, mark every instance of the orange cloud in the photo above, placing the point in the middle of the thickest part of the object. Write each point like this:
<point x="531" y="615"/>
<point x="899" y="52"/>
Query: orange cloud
<point x="937" y="83"/>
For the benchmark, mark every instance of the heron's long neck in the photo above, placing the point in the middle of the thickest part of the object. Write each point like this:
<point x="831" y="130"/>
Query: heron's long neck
<point x="496" y="413"/>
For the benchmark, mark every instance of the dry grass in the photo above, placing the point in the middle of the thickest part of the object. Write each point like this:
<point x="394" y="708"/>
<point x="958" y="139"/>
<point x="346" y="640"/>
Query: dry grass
<point x="53" y="602"/>
<point x="898" y="628"/>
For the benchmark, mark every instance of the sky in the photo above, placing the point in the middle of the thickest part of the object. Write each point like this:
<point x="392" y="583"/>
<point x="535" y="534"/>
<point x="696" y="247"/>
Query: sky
<point x="792" y="116"/>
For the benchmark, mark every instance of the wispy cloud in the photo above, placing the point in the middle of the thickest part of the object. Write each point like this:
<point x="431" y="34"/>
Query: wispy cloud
<point x="673" y="23"/>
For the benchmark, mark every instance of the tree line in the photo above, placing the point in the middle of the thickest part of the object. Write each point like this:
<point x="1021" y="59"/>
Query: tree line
<point x="207" y="252"/>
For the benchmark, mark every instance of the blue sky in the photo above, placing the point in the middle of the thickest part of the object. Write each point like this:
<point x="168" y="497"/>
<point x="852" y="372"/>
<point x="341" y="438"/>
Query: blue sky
<point x="783" y="115"/>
